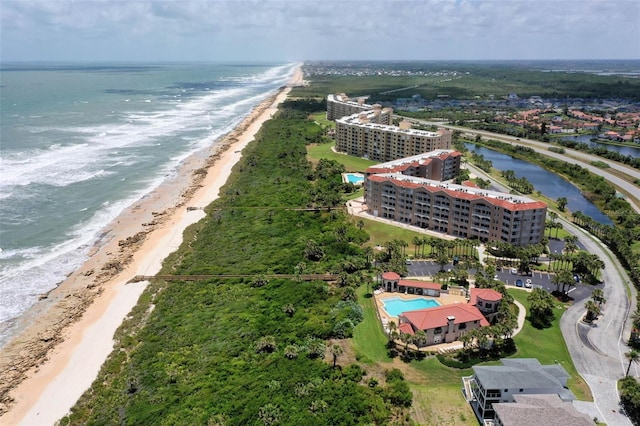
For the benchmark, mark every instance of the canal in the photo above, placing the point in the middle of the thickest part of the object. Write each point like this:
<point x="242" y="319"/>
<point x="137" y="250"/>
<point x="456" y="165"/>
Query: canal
<point x="624" y="150"/>
<point x="549" y="184"/>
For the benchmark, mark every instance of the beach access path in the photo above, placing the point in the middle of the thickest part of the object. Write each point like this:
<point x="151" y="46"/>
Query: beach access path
<point x="45" y="390"/>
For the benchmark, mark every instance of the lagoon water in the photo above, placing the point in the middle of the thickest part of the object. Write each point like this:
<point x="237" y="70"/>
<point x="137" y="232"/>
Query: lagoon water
<point x="633" y="151"/>
<point x="80" y="143"/>
<point x="549" y="184"/>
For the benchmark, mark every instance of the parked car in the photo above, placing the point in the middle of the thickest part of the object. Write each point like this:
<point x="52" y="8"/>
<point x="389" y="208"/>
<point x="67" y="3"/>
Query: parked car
<point x="528" y="284"/>
<point x="519" y="283"/>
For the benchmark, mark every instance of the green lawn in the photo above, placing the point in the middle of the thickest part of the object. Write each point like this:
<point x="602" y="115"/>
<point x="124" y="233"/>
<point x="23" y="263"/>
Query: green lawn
<point x="548" y="346"/>
<point x="369" y="339"/>
<point x="380" y="233"/>
<point x="321" y="119"/>
<point x="351" y="163"/>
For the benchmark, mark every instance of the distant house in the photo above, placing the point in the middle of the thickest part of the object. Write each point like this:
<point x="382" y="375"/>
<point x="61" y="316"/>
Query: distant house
<point x="491" y="385"/>
<point x="538" y="410"/>
<point x="444" y="324"/>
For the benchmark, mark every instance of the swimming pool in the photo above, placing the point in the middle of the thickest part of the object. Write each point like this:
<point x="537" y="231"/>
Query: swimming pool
<point x="354" y="178"/>
<point x="396" y="306"/>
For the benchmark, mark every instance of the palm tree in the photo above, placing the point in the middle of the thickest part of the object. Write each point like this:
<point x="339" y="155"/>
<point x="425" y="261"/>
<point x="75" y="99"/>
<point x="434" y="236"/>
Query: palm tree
<point x="393" y="331"/>
<point x="598" y="297"/>
<point x="562" y="203"/>
<point x="632" y="356"/>
<point x="593" y="310"/>
<point x="417" y="242"/>
<point x="420" y="338"/>
<point x="565" y="278"/>
<point x="558" y="226"/>
<point x="406" y="339"/>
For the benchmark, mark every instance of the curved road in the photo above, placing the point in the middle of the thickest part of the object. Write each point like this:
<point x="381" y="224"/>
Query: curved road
<point x="598" y="351"/>
<point x="578" y="157"/>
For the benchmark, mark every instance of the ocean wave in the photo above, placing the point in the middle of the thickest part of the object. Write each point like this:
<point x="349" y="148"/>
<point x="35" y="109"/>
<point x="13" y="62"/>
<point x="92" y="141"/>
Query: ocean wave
<point x="128" y="156"/>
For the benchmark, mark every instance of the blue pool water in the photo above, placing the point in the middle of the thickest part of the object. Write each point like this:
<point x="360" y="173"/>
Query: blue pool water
<point x="355" y="179"/>
<point x="396" y="306"/>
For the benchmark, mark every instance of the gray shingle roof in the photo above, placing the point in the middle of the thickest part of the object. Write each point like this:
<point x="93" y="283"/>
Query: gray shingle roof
<point x="540" y="410"/>
<point x="524" y="373"/>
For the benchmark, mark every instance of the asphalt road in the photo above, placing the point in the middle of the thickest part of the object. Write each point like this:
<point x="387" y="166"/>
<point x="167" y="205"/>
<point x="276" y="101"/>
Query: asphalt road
<point x="598" y="351"/>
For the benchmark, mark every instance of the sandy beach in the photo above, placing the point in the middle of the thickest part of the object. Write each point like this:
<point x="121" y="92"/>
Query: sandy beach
<point x="66" y="337"/>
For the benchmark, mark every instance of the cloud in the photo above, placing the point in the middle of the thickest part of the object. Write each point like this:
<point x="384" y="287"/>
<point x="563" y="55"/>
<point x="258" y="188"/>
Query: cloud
<point x="311" y="29"/>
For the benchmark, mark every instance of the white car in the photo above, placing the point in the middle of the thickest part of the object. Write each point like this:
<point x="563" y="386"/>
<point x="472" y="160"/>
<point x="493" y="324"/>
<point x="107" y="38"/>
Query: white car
<point x="527" y="283"/>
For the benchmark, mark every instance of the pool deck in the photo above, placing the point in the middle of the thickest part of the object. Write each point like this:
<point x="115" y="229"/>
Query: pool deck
<point x="444" y="299"/>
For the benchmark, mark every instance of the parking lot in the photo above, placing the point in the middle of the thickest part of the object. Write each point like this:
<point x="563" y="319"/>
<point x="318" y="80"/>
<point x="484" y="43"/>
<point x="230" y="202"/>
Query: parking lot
<point x="428" y="268"/>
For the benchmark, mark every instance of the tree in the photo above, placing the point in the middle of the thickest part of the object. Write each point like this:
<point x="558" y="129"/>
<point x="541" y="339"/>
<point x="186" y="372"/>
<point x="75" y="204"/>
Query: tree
<point x="632" y="356"/>
<point x="393" y="331"/>
<point x="417" y="242"/>
<point x="593" y="310"/>
<point x="565" y="278"/>
<point x="336" y="351"/>
<point x="558" y="227"/>
<point x="291" y="352"/>
<point x="541" y="312"/>
<point x="289" y="309"/>
<point x="442" y="259"/>
<point x="570" y="244"/>
<point x="598" y="297"/>
<point x="420" y="338"/>
<point x="562" y="203"/>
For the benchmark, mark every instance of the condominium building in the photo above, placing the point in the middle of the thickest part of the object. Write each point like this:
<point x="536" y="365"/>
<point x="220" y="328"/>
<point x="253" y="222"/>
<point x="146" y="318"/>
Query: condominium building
<point x="360" y="135"/>
<point x="457" y="210"/>
<point x="440" y="165"/>
<point x="340" y="105"/>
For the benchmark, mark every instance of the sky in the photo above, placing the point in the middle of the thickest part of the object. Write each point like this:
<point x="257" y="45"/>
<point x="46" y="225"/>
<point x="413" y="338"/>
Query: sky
<point x="299" y="30"/>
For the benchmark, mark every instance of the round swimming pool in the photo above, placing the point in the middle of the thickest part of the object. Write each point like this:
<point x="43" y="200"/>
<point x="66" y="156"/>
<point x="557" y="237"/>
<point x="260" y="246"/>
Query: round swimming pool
<point x="395" y="306"/>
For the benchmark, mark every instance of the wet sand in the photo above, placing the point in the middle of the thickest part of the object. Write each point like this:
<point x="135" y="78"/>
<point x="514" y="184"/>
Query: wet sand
<point x="67" y="336"/>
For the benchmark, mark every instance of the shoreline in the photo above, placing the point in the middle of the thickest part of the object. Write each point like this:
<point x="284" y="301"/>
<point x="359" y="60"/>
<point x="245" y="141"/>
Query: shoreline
<point x="66" y="336"/>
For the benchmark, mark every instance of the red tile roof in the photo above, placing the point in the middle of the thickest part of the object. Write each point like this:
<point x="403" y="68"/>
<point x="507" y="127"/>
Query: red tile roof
<point x="399" y="168"/>
<point x="390" y="276"/>
<point x="420" y="284"/>
<point x="406" y="328"/>
<point x="426" y="319"/>
<point x="461" y="195"/>
<point x="488" y="294"/>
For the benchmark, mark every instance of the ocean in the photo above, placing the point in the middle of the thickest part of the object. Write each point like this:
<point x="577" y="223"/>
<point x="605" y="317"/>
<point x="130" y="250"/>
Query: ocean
<point x="80" y="143"/>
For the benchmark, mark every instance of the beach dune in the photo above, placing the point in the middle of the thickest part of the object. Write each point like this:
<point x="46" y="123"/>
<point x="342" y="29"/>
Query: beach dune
<point x="68" y="335"/>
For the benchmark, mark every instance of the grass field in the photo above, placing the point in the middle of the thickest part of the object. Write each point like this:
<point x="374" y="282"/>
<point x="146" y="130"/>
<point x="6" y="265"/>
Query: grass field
<point x="548" y="346"/>
<point x="351" y="163"/>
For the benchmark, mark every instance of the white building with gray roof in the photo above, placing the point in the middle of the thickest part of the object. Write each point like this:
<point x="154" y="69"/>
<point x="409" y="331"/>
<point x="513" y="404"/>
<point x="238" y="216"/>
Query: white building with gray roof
<point x="516" y="376"/>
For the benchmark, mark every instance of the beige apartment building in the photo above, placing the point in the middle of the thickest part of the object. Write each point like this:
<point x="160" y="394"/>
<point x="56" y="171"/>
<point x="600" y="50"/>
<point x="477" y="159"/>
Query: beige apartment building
<point x="360" y="135"/>
<point x="439" y="165"/>
<point x="461" y="211"/>
<point x="340" y="105"/>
